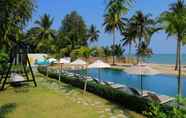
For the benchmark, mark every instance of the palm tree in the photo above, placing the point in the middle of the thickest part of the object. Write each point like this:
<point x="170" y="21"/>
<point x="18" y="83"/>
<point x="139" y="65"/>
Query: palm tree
<point x="112" y="23"/>
<point x="93" y="34"/>
<point x="118" y="50"/>
<point x="42" y="35"/>
<point x="143" y="51"/>
<point x="129" y="35"/>
<point x="115" y="9"/>
<point x="144" y="28"/>
<point x="174" y="23"/>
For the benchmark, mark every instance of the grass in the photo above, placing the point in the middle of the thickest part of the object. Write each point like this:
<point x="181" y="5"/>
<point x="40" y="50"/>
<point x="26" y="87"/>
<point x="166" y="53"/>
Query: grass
<point x="53" y="99"/>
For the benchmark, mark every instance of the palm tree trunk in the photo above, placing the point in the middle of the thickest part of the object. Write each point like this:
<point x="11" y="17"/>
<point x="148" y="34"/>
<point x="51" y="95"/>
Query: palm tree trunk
<point x="179" y="70"/>
<point x="177" y="55"/>
<point x="113" y="55"/>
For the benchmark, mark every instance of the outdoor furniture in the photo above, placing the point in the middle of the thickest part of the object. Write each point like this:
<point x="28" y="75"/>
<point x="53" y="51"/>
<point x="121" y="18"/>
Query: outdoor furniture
<point x="19" y="58"/>
<point x="141" y="70"/>
<point x="162" y="99"/>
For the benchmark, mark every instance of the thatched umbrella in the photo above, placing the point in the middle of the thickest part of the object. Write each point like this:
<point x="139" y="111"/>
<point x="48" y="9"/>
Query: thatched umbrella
<point x="141" y="70"/>
<point x="99" y="65"/>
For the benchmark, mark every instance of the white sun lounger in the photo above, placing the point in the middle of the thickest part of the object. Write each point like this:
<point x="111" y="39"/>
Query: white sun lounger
<point x="117" y="86"/>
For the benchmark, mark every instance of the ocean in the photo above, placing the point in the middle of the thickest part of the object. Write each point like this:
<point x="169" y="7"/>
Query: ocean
<point x="165" y="59"/>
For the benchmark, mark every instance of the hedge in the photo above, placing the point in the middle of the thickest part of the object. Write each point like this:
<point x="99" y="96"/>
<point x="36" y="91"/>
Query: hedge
<point x="134" y="103"/>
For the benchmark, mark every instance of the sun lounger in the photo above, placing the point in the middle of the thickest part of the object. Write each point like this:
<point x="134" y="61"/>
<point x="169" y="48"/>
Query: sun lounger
<point x="160" y="98"/>
<point x="137" y="92"/>
<point x="117" y="86"/>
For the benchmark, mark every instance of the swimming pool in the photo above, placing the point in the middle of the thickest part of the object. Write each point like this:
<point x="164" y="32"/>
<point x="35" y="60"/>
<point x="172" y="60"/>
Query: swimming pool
<point x="162" y="84"/>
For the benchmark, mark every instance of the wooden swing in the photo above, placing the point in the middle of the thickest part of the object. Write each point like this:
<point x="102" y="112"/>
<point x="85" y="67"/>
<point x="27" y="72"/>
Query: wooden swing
<point x="17" y="71"/>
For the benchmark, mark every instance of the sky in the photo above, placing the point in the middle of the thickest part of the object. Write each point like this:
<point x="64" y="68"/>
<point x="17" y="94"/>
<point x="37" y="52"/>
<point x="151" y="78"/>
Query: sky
<point x="92" y="12"/>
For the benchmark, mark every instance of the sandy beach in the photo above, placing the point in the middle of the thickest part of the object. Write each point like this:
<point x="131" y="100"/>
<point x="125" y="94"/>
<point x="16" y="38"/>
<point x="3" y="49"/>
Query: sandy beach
<point x="167" y="69"/>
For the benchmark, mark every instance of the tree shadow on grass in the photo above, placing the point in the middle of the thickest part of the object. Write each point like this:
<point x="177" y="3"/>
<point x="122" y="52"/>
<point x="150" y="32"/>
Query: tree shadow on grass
<point x="24" y="88"/>
<point x="7" y="108"/>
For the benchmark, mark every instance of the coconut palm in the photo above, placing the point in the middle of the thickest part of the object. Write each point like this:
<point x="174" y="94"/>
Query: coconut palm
<point x="93" y="34"/>
<point x="143" y="51"/>
<point x="42" y="36"/>
<point x="144" y="27"/>
<point x="129" y="35"/>
<point x="174" y="23"/>
<point x="112" y="23"/>
<point x="113" y="19"/>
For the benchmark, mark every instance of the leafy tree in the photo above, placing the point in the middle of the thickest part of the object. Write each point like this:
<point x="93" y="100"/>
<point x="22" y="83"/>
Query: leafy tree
<point x="93" y="34"/>
<point x="144" y="27"/>
<point x="84" y="52"/>
<point x="143" y="51"/>
<point x="113" y="21"/>
<point x="174" y="23"/>
<point x="118" y="50"/>
<point x="14" y="14"/>
<point x="73" y="33"/>
<point x="129" y="35"/>
<point x="42" y="36"/>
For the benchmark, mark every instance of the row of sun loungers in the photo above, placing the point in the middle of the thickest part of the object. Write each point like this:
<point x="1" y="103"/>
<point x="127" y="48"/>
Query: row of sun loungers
<point x="162" y="99"/>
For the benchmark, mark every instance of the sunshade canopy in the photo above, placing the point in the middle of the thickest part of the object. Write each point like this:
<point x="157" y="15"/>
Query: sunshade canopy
<point x="141" y="70"/>
<point x="99" y="64"/>
<point x="79" y="62"/>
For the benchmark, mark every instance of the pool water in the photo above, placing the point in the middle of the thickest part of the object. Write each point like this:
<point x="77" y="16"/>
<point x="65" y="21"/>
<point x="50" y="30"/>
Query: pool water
<point x="162" y="84"/>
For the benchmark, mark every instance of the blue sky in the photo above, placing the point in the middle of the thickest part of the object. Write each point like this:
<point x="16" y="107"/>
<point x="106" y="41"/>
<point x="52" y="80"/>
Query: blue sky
<point x="92" y="12"/>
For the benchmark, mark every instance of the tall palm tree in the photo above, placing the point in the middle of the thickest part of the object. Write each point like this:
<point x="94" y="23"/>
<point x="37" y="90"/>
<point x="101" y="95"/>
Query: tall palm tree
<point x="174" y="23"/>
<point x="129" y="35"/>
<point x="115" y="9"/>
<point x="113" y="22"/>
<point x="43" y="35"/>
<point x="144" y="28"/>
<point x="93" y="34"/>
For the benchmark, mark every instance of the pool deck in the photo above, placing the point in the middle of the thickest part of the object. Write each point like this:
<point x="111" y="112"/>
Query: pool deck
<point x="162" y="68"/>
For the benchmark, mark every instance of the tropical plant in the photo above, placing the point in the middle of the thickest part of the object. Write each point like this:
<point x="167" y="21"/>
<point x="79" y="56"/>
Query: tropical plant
<point x="14" y="16"/>
<point x="144" y="27"/>
<point x="113" y="21"/>
<point x="93" y="34"/>
<point x="118" y="50"/>
<point x="129" y="35"/>
<point x="42" y="36"/>
<point x="143" y="51"/>
<point x="174" y="23"/>
<point x="84" y="52"/>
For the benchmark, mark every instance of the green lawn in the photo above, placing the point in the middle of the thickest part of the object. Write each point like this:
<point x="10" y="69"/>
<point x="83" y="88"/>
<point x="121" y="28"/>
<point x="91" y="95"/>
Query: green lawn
<point x="52" y="99"/>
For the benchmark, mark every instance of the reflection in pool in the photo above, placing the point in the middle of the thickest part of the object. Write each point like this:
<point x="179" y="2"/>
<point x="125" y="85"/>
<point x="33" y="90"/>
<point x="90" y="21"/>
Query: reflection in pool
<point x="162" y="84"/>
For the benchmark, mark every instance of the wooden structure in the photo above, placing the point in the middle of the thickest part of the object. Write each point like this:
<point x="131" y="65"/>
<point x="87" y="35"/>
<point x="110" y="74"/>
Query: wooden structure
<point x="18" y="64"/>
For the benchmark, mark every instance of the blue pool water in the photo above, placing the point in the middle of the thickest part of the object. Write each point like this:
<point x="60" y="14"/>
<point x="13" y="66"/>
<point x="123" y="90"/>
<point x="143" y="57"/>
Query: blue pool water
<point x="162" y="84"/>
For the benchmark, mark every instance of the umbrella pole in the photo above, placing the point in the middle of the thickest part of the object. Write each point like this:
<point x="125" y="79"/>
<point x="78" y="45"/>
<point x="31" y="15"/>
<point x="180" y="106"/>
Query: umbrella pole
<point x="85" y="85"/>
<point x="141" y="84"/>
<point x="60" y="72"/>
<point x="99" y="76"/>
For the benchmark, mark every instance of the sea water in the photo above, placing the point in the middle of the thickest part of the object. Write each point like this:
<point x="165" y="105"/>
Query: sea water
<point x="165" y="59"/>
